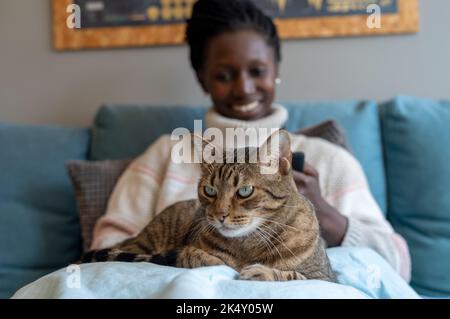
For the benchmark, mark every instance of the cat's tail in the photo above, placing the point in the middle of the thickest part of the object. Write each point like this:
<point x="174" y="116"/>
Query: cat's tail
<point x="113" y="254"/>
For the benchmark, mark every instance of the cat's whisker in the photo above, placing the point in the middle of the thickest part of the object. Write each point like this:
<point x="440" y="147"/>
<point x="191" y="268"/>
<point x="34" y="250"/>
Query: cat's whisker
<point x="259" y="233"/>
<point x="196" y="233"/>
<point x="202" y="229"/>
<point x="263" y="240"/>
<point x="278" y="223"/>
<point x="209" y="228"/>
<point x="288" y="206"/>
<point x="273" y="234"/>
<point x="268" y="244"/>
<point x="276" y="237"/>
<point x="267" y="236"/>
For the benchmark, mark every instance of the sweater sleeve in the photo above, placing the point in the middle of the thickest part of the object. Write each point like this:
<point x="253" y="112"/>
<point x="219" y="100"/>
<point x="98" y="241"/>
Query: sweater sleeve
<point x="132" y="203"/>
<point x="348" y="191"/>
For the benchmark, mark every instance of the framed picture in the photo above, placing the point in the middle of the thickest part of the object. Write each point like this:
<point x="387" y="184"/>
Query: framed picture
<point x="135" y="23"/>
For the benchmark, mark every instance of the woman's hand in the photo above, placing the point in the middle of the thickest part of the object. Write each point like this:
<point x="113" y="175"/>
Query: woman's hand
<point x="332" y="224"/>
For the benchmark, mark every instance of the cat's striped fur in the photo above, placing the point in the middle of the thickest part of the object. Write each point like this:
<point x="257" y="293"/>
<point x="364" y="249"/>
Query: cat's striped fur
<point x="273" y="234"/>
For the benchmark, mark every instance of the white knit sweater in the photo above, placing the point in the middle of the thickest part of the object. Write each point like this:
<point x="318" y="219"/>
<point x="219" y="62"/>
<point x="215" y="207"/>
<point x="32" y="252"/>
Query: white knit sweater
<point x="153" y="182"/>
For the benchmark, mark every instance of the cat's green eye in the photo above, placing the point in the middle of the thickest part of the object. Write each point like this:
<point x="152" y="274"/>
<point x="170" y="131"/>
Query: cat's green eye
<point x="245" y="191"/>
<point x="210" y="191"/>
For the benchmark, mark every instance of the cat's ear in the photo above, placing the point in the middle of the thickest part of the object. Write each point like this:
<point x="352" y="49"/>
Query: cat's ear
<point x="275" y="154"/>
<point x="205" y="151"/>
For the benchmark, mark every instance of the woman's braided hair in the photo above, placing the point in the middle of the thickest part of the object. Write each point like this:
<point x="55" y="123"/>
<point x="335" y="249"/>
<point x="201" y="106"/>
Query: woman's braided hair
<point x="213" y="17"/>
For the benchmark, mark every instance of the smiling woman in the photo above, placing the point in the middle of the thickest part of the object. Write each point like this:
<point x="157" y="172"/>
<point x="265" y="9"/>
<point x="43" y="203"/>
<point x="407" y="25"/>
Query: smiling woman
<point x="239" y="72"/>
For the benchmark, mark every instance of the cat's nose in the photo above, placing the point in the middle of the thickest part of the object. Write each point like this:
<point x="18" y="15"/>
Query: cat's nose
<point x="222" y="216"/>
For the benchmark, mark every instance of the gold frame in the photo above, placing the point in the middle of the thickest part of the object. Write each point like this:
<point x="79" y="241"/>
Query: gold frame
<point x="405" y="21"/>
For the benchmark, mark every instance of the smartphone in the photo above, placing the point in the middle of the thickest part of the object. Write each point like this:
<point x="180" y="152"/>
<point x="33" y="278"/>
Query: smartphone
<point x="298" y="161"/>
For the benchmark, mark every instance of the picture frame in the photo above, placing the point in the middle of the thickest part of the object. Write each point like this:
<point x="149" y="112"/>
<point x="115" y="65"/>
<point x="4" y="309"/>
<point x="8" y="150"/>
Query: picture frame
<point x="404" y="20"/>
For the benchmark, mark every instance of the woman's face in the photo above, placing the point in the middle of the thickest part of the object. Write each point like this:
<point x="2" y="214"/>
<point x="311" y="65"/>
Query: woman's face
<point x="239" y="73"/>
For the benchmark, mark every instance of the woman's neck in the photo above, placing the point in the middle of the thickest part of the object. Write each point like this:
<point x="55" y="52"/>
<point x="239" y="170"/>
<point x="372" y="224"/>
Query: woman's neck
<point x="275" y="119"/>
<point x="264" y="127"/>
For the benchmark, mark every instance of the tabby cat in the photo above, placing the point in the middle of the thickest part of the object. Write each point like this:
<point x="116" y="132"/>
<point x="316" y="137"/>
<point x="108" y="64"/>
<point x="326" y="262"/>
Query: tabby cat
<point x="256" y="223"/>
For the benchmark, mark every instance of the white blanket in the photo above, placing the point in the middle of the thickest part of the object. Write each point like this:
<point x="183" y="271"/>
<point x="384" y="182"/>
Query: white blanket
<point x="361" y="273"/>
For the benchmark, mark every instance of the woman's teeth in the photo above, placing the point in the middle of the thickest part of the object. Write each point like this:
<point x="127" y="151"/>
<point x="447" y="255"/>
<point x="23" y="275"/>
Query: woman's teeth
<point x="247" y="107"/>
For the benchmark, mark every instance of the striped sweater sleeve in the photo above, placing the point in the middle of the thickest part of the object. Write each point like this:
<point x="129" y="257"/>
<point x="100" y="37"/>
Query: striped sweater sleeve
<point x="348" y="191"/>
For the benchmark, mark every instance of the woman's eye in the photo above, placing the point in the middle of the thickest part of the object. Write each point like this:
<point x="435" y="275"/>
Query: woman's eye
<point x="223" y="77"/>
<point x="245" y="191"/>
<point x="211" y="192"/>
<point x="257" y="72"/>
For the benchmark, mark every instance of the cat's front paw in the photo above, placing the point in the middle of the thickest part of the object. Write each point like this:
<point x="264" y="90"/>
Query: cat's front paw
<point x="192" y="257"/>
<point x="256" y="272"/>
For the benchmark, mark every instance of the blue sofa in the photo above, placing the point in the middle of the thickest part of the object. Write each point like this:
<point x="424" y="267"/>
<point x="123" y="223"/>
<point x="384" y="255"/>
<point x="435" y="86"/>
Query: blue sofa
<point x="403" y="146"/>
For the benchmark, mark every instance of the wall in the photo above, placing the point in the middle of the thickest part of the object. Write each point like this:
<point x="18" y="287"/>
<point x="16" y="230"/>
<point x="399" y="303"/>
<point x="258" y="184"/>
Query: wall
<point x="38" y="85"/>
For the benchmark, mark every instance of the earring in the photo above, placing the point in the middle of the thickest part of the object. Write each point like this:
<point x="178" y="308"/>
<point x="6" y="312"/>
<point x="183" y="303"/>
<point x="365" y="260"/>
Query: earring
<point x="278" y="81"/>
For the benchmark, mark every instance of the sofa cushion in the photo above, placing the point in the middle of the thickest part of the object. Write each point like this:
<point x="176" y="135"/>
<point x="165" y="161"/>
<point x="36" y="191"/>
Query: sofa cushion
<point x="125" y="131"/>
<point x="93" y="182"/>
<point x="417" y="151"/>
<point x="330" y="130"/>
<point x="39" y="227"/>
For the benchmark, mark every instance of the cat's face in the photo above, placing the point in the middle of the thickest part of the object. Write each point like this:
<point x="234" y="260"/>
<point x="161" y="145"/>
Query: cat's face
<point x="238" y="197"/>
